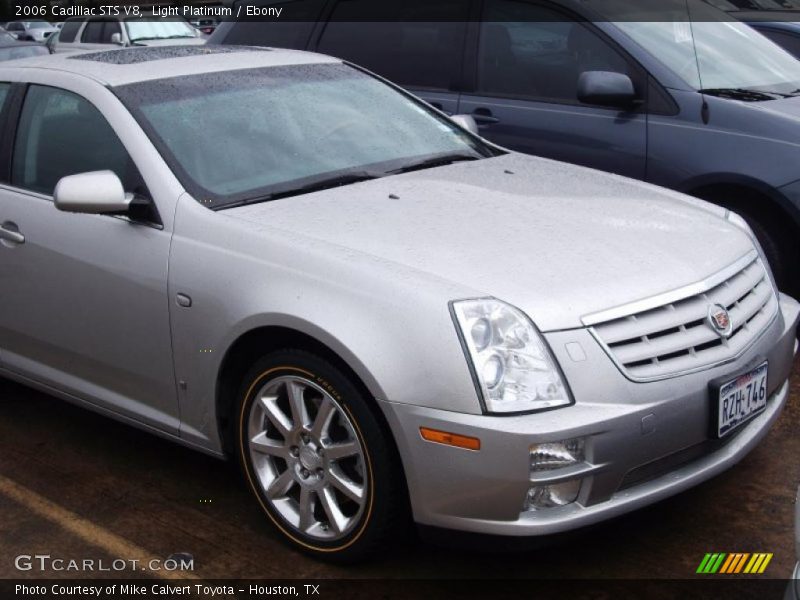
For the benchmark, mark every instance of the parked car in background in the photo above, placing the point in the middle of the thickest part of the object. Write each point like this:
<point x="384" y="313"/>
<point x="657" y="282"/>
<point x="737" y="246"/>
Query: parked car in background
<point x="757" y="6"/>
<point x="368" y="306"/>
<point x="769" y="18"/>
<point x="104" y="33"/>
<point x="31" y="31"/>
<point x="643" y="96"/>
<point x="11" y="48"/>
<point x="785" y="34"/>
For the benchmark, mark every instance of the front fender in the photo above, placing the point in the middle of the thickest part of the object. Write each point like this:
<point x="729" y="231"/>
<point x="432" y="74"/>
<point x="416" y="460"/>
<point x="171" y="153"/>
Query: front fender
<point x="391" y="325"/>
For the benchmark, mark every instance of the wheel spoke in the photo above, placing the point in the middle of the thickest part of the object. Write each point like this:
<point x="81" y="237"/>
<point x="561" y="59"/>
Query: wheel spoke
<point x="275" y="415"/>
<point x="323" y="418"/>
<point x="264" y="445"/>
<point x="294" y="391"/>
<point x="281" y="485"/>
<point x="343" y="450"/>
<point x="328" y="500"/>
<point x="306" y="509"/>
<point x="351" y="489"/>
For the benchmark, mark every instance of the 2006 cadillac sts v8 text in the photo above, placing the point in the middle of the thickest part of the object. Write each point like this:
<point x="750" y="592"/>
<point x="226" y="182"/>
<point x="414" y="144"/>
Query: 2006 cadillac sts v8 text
<point x="367" y="305"/>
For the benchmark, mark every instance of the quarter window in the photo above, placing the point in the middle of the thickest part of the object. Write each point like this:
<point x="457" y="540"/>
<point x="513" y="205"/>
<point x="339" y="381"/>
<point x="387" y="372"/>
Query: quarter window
<point x="417" y="43"/>
<point x="62" y="134"/>
<point x="530" y="51"/>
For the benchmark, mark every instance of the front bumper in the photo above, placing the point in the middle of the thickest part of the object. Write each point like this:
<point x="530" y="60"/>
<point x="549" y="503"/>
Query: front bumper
<point x="644" y="441"/>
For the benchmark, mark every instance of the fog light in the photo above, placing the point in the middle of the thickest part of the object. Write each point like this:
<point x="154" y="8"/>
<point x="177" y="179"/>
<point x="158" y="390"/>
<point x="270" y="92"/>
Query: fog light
<point x="549" y="496"/>
<point x="556" y="455"/>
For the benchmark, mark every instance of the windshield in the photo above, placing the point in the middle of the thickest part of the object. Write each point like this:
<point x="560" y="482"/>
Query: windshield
<point x="158" y="30"/>
<point x="721" y="61"/>
<point x="38" y="25"/>
<point x="243" y="136"/>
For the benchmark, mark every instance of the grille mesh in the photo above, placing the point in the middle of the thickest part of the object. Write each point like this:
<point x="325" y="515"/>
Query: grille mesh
<point x="678" y="337"/>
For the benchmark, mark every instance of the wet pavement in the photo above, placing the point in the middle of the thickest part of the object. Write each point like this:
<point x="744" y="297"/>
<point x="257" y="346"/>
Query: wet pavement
<point x="76" y="485"/>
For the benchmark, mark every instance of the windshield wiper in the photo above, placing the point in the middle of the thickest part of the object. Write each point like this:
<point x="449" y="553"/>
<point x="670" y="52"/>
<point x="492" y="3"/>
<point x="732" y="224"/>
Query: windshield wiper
<point x="742" y="94"/>
<point x="439" y="160"/>
<point x="313" y="186"/>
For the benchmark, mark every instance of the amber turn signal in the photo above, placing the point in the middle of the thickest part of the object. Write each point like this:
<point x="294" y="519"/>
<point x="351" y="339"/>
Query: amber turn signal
<point x="450" y="439"/>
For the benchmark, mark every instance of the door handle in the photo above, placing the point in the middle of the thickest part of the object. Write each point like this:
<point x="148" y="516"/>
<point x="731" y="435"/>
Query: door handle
<point x="483" y="116"/>
<point x="9" y="232"/>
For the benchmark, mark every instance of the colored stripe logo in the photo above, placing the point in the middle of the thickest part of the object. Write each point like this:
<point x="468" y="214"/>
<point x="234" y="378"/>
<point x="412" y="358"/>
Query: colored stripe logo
<point x="735" y="562"/>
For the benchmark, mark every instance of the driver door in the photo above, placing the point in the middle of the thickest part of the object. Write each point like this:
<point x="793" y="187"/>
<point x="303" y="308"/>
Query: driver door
<point x="83" y="298"/>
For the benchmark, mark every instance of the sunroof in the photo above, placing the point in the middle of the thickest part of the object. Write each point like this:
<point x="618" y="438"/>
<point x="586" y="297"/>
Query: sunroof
<point x="132" y="56"/>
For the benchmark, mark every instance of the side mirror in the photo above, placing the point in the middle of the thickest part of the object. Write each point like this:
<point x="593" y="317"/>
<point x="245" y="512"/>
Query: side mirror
<point x="116" y="38"/>
<point x="467" y="122"/>
<point x="94" y="193"/>
<point x="606" y="88"/>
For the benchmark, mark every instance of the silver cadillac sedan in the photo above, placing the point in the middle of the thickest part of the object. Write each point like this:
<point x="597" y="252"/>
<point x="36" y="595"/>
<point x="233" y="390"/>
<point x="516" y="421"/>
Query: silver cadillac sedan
<point x="278" y="257"/>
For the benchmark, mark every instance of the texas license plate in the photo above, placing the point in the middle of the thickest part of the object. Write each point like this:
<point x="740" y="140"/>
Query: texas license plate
<point x="741" y="399"/>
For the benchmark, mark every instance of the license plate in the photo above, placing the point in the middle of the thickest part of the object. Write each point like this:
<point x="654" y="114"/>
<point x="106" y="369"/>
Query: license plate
<point x="741" y="399"/>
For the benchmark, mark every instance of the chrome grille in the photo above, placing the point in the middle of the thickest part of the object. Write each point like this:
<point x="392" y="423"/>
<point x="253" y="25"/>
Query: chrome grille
<point x="677" y="337"/>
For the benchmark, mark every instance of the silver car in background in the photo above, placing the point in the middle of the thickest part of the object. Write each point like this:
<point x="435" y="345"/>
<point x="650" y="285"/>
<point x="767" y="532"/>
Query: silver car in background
<point x="369" y="307"/>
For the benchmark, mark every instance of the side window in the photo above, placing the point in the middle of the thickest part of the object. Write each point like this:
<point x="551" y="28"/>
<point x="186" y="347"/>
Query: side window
<point x="59" y="134"/>
<point x="4" y="87"/>
<point x="93" y="33"/>
<point x="69" y="30"/>
<point x="109" y="29"/>
<point x="530" y="51"/>
<point x="417" y="43"/>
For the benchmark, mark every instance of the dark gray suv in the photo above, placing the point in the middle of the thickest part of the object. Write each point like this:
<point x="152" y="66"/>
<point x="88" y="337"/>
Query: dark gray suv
<point x="691" y="100"/>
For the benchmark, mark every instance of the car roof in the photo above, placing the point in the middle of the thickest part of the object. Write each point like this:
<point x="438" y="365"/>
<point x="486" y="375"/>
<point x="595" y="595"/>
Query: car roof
<point x="132" y="65"/>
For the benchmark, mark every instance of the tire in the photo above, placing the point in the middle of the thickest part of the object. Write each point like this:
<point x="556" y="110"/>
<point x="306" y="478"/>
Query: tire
<point x="331" y="485"/>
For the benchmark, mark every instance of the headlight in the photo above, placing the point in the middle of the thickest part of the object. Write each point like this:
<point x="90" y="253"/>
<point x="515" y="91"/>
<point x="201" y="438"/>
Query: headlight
<point x="510" y="361"/>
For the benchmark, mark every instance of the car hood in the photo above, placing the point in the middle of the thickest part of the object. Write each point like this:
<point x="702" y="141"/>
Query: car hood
<point x="556" y="240"/>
